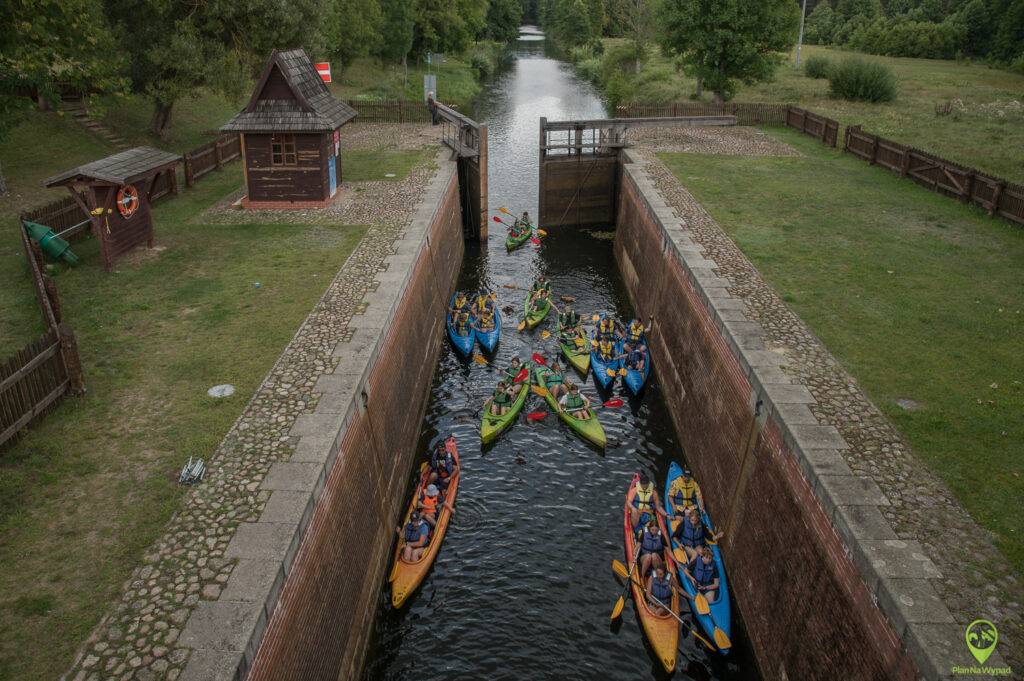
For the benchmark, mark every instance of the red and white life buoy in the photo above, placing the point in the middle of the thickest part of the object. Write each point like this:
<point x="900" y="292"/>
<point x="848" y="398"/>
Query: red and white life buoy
<point x="127" y="200"/>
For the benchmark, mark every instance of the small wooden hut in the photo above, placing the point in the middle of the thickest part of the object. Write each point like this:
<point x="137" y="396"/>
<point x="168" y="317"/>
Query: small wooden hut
<point x="291" y="136"/>
<point x="116" y="192"/>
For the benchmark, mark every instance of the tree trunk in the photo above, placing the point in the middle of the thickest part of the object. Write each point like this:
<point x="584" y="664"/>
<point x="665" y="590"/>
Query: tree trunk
<point x="700" y="87"/>
<point x="3" y="182"/>
<point x="161" y="123"/>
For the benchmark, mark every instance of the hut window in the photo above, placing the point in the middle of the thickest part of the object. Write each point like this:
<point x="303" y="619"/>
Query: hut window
<point x="282" y="150"/>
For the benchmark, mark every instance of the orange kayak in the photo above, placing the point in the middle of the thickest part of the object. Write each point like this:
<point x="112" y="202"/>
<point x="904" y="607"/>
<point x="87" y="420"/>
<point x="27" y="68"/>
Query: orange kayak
<point x="662" y="630"/>
<point x="405" y="576"/>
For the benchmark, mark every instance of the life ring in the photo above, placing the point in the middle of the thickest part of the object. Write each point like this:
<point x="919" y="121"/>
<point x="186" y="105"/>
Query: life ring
<point x="127" y="200"/>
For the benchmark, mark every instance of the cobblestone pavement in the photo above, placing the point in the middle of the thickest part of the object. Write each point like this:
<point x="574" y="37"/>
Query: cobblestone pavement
<point x="977" y="580"/>
<point x="733" y="141"/>
<point x="138" y="639"/>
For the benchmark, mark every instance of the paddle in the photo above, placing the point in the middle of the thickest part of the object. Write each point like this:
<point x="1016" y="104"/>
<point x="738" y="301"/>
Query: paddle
<point x="535" y="241"/>
<point x="521" y="376"/>
<point x="623" y="371"/>
<point x="620" y="570"/>
<point x="621" y="602"/>
<point x="614" y="402"/>
<point x="541" y="232"/>
<point x="536" y="416"/>
<point x="539" y="390"/>
<point x="539" y="359"/>
<point x="699" y="601"/>
<point x="521" y="326"/>
<point x="545" y="334"/>
<point x="479" y="359"/>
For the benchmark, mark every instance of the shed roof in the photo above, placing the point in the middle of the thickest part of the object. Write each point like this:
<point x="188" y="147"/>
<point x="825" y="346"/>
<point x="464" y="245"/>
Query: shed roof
<point x="121" y="168"/>
<point x="313" y="108"/>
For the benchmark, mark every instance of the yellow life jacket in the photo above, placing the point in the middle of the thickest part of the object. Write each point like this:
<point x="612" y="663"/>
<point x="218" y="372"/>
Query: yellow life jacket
<point x="460" y="301"/>
<point x="481" y="302"/>
<point x="644" y="499"/>
<point x="607" y="326"/>
<point x="605" y="348"/>
<point x="636" y="330"/>
<point x="688" y="490"/>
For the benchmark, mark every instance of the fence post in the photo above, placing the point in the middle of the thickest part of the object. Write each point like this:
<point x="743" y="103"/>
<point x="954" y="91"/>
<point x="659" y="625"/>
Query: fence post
<point x="996" y="195"/>
<point x="874" y="149"/>
<point x="968" y="191"/>
<point x="190" y="179"/>
<point x="217" y="156"/>
<point x="905" y="162"/>
<point x="69" y="351"/>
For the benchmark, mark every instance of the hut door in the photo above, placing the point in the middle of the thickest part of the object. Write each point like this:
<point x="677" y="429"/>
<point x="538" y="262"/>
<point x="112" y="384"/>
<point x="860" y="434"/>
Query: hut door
<point x="332" y="174"/>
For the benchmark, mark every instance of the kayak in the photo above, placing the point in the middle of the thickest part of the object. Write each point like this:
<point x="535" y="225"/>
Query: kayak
<point x="533" y="318"/>
<point x="464" y="344"/>
<point x="662" y="630"/>
<point x="579" y="357"/>
<point x="491" y="425"/>
<point x="512" y="243"/>
<point x="407" y="576"/>
<point x="635" y="380"/>
<point x="719" y="615"/>
<point x="601" y="368"/>
<point x="588" y="429"/>
<point x="489" y="339"/>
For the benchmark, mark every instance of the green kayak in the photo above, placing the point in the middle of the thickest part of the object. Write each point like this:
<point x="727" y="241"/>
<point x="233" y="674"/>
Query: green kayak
<point x="535" y="317"/>
<point x="512" y="243"/>
<point x="491" y="425"/>
<point x="588" y="429"/>
<point x="578" y="356"/>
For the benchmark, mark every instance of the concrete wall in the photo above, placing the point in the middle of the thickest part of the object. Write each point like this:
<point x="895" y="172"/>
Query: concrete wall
<point x="821" y="581"/>
<point x="307" y="585"/>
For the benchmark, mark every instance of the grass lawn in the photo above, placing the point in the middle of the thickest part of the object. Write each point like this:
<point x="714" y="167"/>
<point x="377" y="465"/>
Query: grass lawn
<point x="195" y="120"/>
<point x="364" y="165"/>
<point x="367" y="78"/>
<point x="919" y="296"/>
<point x="988" y="133"/>
<point x="93" y="484"/>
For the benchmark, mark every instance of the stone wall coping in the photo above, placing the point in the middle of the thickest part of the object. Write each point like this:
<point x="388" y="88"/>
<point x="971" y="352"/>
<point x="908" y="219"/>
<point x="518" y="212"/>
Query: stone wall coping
<point x="896" y="572"/>
<point x="224" y="634"/>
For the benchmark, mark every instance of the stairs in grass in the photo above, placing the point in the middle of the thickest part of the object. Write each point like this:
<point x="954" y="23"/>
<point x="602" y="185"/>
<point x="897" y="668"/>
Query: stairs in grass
<point x="75" y="106"/>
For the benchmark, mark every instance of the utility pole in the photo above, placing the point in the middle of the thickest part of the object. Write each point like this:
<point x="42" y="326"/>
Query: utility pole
<point x="800" y="40"/>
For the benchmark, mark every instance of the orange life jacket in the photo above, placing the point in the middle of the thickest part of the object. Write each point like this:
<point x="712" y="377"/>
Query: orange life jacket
<point x="429" y="504"/>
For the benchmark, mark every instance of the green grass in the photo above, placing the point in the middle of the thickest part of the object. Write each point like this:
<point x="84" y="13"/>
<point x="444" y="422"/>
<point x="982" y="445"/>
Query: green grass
<point x="917" y="295"/>
<point x="195" y="120"/>
<point x="985" y="130"/>
<point x="93" y="484"/>
<point x="363" y="165"/>
<point x="367" y="78"/>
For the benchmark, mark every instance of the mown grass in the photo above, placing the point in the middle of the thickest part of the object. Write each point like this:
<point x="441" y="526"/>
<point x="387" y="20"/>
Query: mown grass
<point x="985" y="128"/>
<point x="919" y="297"/>
<point x="195" y="120"/>
<point x="368" y="78"/>
<point x="89" y="487"/>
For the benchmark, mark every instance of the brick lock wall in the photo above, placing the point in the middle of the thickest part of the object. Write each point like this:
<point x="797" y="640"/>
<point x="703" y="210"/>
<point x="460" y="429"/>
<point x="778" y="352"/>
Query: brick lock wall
<point x="807" y="612"/>
<point x="324" y="617"/>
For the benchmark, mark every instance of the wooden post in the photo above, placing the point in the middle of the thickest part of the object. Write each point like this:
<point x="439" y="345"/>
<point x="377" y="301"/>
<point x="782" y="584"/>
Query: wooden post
<point x="996" y="195"/>
<point x="217" y="158"/>
<point x="73" y="363"/>
<point x="968" y="189"/>
<point x="874" y="149"/>
<point x="173" y="177"/>
<point x="190" y="178"/>
<point x="905" y="162"/>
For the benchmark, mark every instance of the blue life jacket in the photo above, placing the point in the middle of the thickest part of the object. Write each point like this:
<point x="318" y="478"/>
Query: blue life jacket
<point x="703" y="572"/>
<point x="413" y="533"/>
<point x="635" y="357"/>
<point x="662" y="589"/>
<point x="443" y="464"/>
<point x="651" y="543"/>
<point x="691" y="535"/>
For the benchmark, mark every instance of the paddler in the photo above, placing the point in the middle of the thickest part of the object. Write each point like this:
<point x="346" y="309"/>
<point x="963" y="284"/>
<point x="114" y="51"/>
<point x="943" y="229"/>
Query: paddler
<point x="463" y="324"/>
<point x="703" y="572"/>
<point x="416" y="535"/>
<point x="430" y="503"/>
<point x="692" y="535"/>
<point x="541" y="288"/>
<point x="644" y="500"/>
<point x="501" y="400"/>
<point x="659" y="590"/>
<point x="683" y="493"/>
<point x="443" y="467"/>
<point x="484" y="301"/>
<point x="554" y="381"/>
<point x="652" y="546"/>
<point x="569" y="321"/>
<point x="606" y="349"/>
<point x="525" y="222"/>
<point x="485" y="320"/>
<point x="635" y="356"/>
<point x="459" y="304"/>
<point x="513" y="371"/>
<point x="575" y="404"/>
<point x="635" y="331"/>
<point x="605" y="327"/>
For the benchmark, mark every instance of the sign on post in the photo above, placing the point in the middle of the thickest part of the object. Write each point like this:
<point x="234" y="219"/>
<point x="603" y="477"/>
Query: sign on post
<point x="324" y="69"/>
<point x="429" y="85"/>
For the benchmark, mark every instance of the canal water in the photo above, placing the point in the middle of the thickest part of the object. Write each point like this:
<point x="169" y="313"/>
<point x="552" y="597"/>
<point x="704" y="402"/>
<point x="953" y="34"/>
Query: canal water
<point x="523" y="588"/>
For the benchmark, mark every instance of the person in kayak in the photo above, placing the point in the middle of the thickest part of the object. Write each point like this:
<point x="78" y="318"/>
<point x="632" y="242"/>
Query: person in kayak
<point x="703" y="572"/>
<point x="692" y="535"/>
<point x="540" y="289"/>
<point x="416" y="536"/>
<point x="606" y="327"/>
<point x="430" y="503"/>
<point x="659" y="591"/>
<point x="635" y="331"/>
<point x="484" y="301"/>
<point x="606" y="350"/>
<point x="459" y="304"/>
<point x="501" y="400"/>
<point x="568" y="319"/>
<point x="575" y="404"/>
<point x="634" y="356"/>
<point x="643" y="499"/>
<point x="554" y="381"/>
<point x="513" y="371"/>
<point x="485" y="320"/>
<point x="683" y="493"/>
<point x="652" y="545"/>
<point x="463" y="323"/>
<point x="443" y="467"/>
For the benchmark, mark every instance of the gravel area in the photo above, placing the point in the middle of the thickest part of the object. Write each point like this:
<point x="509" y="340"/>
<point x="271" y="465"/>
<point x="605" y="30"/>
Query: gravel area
<point x="732" y="141"/>
<point x="977" y="580"/>
<point x="138" y="639"/>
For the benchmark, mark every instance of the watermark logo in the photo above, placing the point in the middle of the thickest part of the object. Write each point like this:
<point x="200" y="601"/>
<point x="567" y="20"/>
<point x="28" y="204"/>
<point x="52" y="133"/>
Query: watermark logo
<point x="981" y="636"/>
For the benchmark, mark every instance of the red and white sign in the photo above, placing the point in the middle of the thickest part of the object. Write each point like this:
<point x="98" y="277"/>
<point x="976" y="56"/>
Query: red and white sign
<point x="324" y="69"/>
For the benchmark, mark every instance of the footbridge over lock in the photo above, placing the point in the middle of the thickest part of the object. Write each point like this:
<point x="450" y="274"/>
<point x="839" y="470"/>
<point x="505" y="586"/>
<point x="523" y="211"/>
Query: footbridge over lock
<point x="468" y="141"/>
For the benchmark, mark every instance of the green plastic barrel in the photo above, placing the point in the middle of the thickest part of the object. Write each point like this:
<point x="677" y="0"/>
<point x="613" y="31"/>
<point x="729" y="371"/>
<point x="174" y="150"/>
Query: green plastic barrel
<point x="52" y="245"/>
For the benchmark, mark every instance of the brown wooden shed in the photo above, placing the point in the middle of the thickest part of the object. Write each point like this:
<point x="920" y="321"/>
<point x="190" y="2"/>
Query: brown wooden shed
<point x="116" y="192"/>
<point x="291" y="136"/>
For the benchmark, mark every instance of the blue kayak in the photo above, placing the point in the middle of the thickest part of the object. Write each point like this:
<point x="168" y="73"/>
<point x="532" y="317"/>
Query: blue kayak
<point x="489" y="339"/>
<point x="635" y="380"/>
<point x="601" y="368"/>
<point x="719" y="615"/>
<point x="464" y="344"/>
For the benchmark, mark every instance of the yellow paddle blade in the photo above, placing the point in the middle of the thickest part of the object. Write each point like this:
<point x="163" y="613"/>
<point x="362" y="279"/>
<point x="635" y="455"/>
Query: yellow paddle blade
<point x="617" y="610"/>
<point x="620" y="569"/>
<point x="680" y="555"/>
<point x="522" y="325"/>
<point x="702" y="604"/>
<point x="579" y="342"/>
<point x="593" y="343"/>
<point x="541" y="232"/>
<point x="702" y="640"/>
<point x="540" y="390"/>
<point x="721" y="640"/>
<point x="595" y="317"/>
<point x="503" y="209"/>
<point x="545" y="334"/>
<point x="479" y="359"/>
<point x="622" y="372"/>
<point x="611" y="372"/>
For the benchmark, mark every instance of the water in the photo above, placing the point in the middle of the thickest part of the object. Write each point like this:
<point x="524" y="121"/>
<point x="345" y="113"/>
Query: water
<point x="522" y="587"/>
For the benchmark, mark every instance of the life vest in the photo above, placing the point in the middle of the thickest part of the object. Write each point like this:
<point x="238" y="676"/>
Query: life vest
<point x="501" y="397"/>
<point x="553" y="377"/>
<point x="651" y="543"/>
<point x="462" y="321"/>
<point x="606" y="349"/>
<point x="703" y="572"/>
<point x="413" y="532"/>
<point x="684" y="493"/>
<point x="606" y="326"/>
<point x="483" y="302"/>
<point x="443" y="464"/>
<point x="692" y="535"/>
<point x="635" y="357"/>
<point x="570" y="319"/>
<point x="573" y="402"/>
<point x="636" y="330"/>
<point x="644" y="499"/>
<point x="487" y="319"/>
<point x="429" y="504"/>
<point x="460" y="302"/>
<point x="662" y="588"/>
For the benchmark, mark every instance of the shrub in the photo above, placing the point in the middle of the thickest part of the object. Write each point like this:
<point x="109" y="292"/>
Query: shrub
<point x="817" y="66"/>
<point x="859" y="80"/>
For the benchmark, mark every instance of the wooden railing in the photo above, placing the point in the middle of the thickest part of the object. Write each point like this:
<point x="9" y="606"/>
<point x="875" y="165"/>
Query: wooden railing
<point x="746" y="113"/>
<point x="211" y="156"/>
<point x="819" y="127"/>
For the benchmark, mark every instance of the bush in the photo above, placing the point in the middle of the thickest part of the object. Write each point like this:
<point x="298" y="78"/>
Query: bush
<point x="817" y="66"/>
<point x="859" y="80"/>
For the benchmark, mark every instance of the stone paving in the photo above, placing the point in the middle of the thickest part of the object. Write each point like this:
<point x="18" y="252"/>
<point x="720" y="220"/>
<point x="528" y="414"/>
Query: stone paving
<point x="977" y="580"/>
<point x="139" y="638"/>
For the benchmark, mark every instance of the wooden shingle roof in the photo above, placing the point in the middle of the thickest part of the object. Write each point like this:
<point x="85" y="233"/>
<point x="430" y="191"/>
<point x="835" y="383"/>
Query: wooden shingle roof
<point x="121" y="168"/>
<point x="311" y="109"/>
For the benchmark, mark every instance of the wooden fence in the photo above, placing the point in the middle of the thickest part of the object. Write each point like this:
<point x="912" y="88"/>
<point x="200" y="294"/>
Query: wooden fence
<point x="994" y="194"/>
<point x="211" y="156"/>
<point x="392" y="111"/>
<point x="820" y="128"/>
<point x="745" y="113"/>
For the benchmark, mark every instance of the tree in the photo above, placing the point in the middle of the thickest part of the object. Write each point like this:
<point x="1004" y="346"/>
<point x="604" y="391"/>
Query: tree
<point x="353" y="29"/>
<point x="398" y="25"/>
<point x="820" y="25"/>
<point x="724" y="41"/>
<point x="503" y="17"/>
<point x="636" y="19"/>
<point x="447" y="25"/>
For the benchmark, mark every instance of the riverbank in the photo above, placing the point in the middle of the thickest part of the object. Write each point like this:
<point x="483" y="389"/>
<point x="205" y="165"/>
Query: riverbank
<point x="984" y="127"/>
